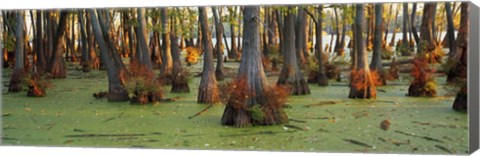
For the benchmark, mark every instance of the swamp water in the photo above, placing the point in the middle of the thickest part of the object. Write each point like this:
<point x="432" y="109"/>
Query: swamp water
<point x="70" y="116"/>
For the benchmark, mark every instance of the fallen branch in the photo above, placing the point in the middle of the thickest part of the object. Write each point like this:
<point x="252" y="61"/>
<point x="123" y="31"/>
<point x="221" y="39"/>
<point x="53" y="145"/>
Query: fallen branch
<point x="299" y="121"/>
<point x="395" y="142"/>
<point x="424" y="137"/>
<point x="103" y="135"/>
<point x="257" y="133"/>
<point x="201" y="112"/>
<point x="444" y="149"/>
<point x="323" y="103"/>
<point x="358" y="143"/>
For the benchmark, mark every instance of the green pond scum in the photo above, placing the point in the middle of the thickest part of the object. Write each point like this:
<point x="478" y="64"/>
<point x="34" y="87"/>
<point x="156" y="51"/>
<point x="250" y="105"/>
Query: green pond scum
<point x="324" y="121"/>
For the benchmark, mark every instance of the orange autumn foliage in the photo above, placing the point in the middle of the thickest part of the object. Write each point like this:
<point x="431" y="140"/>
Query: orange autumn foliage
<point x="421" y="72"/>
<point x="193" y="54"/>
<point x="236" y="93"/>
<point x="361" y="80"/>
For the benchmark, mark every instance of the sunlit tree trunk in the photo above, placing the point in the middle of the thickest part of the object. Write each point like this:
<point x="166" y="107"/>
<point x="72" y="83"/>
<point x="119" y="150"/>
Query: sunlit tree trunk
<point x="362" y="84"/>
<point x="167" y="65"/>
<point x="394" y="33"/>
<point x="208" y="89"/>
<point x="376" y="64"/>
<point x="56" y="66"/>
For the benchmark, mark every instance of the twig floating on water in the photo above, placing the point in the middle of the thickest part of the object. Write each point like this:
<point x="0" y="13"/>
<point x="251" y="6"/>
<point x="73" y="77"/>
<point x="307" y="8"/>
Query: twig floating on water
<point x="109" y="119"/>
<point x="201" y="112"/>
<point x="444" y="149"/>
<point x="299" y="121"/>
<point x="103" y="135"/>
<point x="78" y="130"/>
<point x="424" y="137"/>
<point x="358" y="143"/>
<point x="323" y="103"/>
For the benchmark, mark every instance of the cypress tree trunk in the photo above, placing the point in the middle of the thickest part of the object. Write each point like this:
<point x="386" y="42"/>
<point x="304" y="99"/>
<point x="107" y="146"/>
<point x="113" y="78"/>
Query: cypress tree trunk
<point x="179" y="76"/>
<point x="57" y="67"/>
<point x="362" y="84"/>
<point x="291" y="74"/>
<point x="460" y="103"/>
<point x="388" y="23"/>
<point x="94" y="59"/>
<point x="337" y="30"/>
<point x="19" y="68"/>
<point x="83" y="35"/>
<point x="116" y="74"/>
<point x="426" y="54"/>
<point x="39" y="46"/>
<point x="167" y="65"/>
<point x="301" y="36"/>
<point x="219" y="49"/>
<point x="322" y="79"/>
<point x="240" y="113"/>
<point x="450" y="31"/>
<point x="459" y="71"/>
<point x="405" y="24"/>
<point x="273" y="26"/>
<point x="392" y="41"/>
<point x="208" y="89"/>
<point x="142" y="55"/>
<point x="412" y="23"/>
<point x="376" y="64"/>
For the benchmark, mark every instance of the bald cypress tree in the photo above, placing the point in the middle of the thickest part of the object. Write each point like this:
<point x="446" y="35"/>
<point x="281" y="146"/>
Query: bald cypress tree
<point x="291" y="74"/>
<point x="208" y="89"/>
<point x="362" y="82"/>
<point x="19" y="68"/>
<point x="258" y="103"/>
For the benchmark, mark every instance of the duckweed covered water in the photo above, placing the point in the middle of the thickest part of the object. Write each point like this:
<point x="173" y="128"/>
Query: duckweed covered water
<point x="70" y="116"/>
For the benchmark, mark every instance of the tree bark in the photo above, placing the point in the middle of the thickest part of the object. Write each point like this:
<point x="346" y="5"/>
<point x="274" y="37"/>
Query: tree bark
<point x="39" y="46"/>
<point x="143" y="55"/>
<point x="19" y="68"/>
<point x="208" y="89"/>
<point x="450" y="31"/>
<point x="459" y="71"/>
<point x="167" y="64"/>
<point x="179" y="76"/>
<point x="219" y="49"/>
<point x="57" y="67"/>
<point x="362" y="84"/>
<point x="116" y="74"/>
<point x="291" y="74"/>
<point x="376" y="64"/>
<point x="301" y="36"/>
<point x="388" y="23"/>
<point x="394" y="34"/>
<point x="322" y="79"/>
<point x="83" y="35"/>
<point x="405" y="24"/>
<point x="412" y="23"/>
<point x="251" y="69"/>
